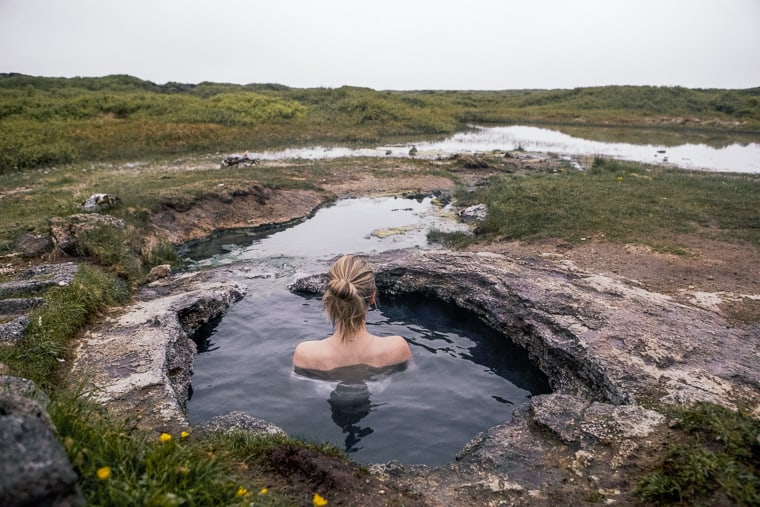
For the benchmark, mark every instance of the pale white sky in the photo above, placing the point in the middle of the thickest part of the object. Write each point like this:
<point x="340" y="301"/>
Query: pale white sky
<point x="390" y="44"/>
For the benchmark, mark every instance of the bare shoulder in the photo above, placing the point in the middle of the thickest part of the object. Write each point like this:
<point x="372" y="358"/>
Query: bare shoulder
<point x="307" y="355"/>
<point x="398" y="348"/>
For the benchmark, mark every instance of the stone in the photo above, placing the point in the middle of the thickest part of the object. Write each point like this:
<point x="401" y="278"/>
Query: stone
<point x="475" y="213"/>
<point x="39" y="278"/>
<point x="473" y="162"/>
<point x="15" y="306"/>
<point x="158" y="272"/>
<point x="12" y="330"/>
<point x="234" y="421"/>
<point x="236" y="159"/>
<point x="100" y="202"/>
<point x="34" y="468"/>
<point x="545" y="456"/>
<point x="67" y="230"/>
<point x="32" y="245"/>
<point x="139" y="362"/>
<point x="22" y="387"/>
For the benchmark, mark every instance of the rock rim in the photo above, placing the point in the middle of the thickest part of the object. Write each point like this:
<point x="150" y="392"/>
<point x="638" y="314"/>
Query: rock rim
<point x="602" y="338"/>
<point x="138" y="362"/>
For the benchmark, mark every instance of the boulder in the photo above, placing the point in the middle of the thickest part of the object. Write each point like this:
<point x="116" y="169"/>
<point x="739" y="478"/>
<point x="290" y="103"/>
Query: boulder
<point x="32" y="245"/>
<point x="34" y="468"/>
<point x="100" y="202"/>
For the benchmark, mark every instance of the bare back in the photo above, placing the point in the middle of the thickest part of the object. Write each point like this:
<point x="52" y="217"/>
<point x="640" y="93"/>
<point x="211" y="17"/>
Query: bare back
<point x="365" y="348"/>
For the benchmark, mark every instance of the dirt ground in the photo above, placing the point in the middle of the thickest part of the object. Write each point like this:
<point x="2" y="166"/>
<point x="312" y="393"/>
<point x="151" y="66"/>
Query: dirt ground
<point x="718" y="276"/>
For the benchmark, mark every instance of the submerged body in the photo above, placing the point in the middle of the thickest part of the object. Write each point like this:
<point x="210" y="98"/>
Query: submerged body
<point x="349" y="292"/>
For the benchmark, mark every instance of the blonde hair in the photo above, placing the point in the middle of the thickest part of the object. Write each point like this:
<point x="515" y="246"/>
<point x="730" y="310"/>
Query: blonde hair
<point x="350" y="287"/>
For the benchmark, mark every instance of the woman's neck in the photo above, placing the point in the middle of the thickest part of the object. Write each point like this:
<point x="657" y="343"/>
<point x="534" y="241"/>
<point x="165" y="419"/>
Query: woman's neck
<point x="356" y="336"/>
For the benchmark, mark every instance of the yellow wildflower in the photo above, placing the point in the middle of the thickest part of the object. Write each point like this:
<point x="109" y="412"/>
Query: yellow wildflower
<point x="620" y="179"/>
<point x="184" y="434"/>
<point x="165" y="437"/>
<point x="319" y="501"/>
<point x="263" y="491"/>
<point x="104" y="473"/>
<point x="241" y="491"/>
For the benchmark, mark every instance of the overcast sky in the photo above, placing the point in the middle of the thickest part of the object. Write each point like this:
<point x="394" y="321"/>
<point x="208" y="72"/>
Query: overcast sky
<point x="390" y="44"/>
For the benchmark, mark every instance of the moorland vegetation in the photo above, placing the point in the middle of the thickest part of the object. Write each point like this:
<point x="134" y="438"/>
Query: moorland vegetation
<point x="63" y="139"/>
<point x="46" y="121"/>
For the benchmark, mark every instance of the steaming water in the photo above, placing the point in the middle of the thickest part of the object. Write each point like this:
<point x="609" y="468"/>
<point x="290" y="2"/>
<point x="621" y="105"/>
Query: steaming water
<point x="462" y="379"/>
<point x="734" y="157"/>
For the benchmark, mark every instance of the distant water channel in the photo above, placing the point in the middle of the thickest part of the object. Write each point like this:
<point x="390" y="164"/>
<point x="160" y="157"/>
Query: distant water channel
<point x="654" y="146"/>
<point x="463" y="379"/>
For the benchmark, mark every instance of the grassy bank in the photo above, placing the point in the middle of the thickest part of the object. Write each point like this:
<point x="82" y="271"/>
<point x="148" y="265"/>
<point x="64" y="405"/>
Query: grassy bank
<point x="623" y="202"/>
<point x="46" y="121"/>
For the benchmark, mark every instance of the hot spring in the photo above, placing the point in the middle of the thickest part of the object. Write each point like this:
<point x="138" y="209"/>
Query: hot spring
<point x="464" y="376"/>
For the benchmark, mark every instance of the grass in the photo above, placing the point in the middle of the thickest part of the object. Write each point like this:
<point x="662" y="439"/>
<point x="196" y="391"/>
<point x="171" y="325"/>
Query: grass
<point x="48" y="121"/>
<point x="67" y="309"/>
<point x="621" y="201"/>
<point x="120" y="466"/>
<point x="718" y="463"/>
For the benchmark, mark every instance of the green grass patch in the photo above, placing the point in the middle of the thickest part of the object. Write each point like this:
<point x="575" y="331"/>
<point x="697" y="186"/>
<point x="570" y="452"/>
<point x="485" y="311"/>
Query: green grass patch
<point x="717" y="464"/>
<point x="621" y="201"/>
<point x="67" y="309"/>
<point x="121" y="466"/>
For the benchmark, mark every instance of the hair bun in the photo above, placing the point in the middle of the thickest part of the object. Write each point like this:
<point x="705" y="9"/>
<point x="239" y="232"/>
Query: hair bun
<point x="342" y="288"/>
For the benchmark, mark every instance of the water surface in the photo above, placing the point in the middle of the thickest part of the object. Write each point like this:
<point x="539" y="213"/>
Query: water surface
<point x="463" y="378"/>
<point x="639" y="145"/>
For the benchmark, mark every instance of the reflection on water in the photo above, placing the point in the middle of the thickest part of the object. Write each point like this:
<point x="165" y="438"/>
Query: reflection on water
<point x="714" y="152"/>
<point x="349" y="404"/>
<point x="734" y="157"/>
<point x="350" y="399"/>
<point x="352" y="225"/>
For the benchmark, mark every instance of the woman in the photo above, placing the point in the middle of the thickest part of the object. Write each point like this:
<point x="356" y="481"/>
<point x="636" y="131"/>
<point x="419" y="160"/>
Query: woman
<point x="349" y="292"/>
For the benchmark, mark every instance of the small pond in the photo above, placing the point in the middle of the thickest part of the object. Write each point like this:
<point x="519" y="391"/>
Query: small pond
<point x="464" y="377"/>
<point x="712" y="152"/>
